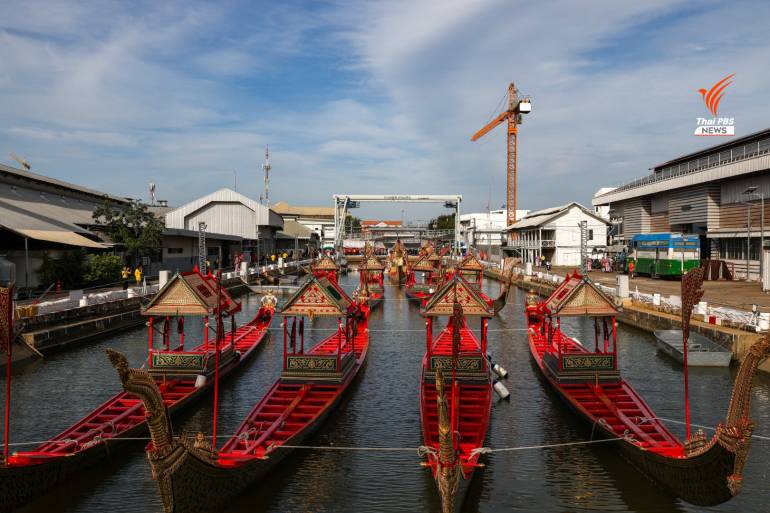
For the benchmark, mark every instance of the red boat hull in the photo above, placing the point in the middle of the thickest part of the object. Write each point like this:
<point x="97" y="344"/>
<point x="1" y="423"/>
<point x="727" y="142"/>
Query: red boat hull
<point x="704" y="476"/>
<point x="473" y="410"/>
<point x="123" y="416"/>
<point x="287" y="415"/>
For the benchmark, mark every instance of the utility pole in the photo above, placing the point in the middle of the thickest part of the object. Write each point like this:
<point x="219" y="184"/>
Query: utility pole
<point x="752" y="191"/>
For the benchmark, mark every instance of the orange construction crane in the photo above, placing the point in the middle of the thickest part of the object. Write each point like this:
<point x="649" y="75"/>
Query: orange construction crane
<point x="516" y="107"/>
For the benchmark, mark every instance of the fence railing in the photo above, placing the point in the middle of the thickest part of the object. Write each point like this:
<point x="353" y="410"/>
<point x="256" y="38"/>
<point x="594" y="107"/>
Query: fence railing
<point x="745" y="152"/>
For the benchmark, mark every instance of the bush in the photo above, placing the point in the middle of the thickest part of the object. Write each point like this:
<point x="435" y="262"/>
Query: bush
<point x="104" y="268"/>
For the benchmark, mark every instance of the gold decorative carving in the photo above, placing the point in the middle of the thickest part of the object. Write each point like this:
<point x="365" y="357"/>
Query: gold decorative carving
<point x="583" y="362"/>
<point x="311" y="363"/>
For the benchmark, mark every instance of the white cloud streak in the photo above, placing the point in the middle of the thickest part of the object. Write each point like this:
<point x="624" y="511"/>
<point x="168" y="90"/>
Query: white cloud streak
<point x="183" y="94"/>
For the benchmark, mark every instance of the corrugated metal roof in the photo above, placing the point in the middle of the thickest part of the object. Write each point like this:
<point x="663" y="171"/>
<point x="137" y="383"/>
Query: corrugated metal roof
<point x="543" y="216"/>
<point x="8" y="171"/>
<point x="738" y="141"/>
<point x="54" y="207"/>
<point x="17" y="217"/>
<point x="283" y="208"/>
<point x="225" y="212"/>
<point x="36" y="225"/>
<point x="719" y="172"/>
<point x="295" y="229"/>
<point x="61" y="237"/>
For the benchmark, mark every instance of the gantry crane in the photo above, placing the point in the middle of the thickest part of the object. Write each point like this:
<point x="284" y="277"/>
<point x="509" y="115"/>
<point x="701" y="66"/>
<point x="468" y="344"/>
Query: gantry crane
<point x="516" y="107"/>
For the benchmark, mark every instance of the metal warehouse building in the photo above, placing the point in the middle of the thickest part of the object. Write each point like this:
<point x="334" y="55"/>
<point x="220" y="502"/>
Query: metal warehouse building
<point x="717" y="193"/>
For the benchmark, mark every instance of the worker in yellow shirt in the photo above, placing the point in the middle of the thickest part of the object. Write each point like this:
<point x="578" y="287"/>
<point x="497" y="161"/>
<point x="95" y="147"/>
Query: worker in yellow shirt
<point x="124" y="274"/>
<point x="138" y="274"/>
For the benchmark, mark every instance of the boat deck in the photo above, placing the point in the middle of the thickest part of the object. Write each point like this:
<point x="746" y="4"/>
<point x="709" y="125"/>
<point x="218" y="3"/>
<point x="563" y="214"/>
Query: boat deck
<point x="442" y="345"/>
<point x="290" y="408"/>
<point x="123" y="413"/>
<point x="472" y="406"/>
<point x="616" y="406"/>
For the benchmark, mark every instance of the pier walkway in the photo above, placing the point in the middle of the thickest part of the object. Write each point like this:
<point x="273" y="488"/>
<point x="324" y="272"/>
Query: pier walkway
<point x="737" y="294"/>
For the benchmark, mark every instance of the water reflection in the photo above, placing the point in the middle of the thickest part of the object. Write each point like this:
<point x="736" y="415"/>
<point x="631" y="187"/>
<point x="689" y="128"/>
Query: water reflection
<point x="382" y="409"/>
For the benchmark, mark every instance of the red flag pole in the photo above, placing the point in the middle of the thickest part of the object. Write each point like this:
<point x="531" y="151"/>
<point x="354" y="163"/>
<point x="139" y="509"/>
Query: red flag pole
<point x="686" y="385"/>
<point x="692" y="292"/>
<point x="216" y="361"/>
<point x="6" y="337"/>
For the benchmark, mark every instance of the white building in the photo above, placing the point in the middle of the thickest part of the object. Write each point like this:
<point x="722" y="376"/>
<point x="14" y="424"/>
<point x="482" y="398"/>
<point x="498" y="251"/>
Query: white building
<point x="229" y="214"/>
<point x="484" y="230"/>
<point x="555" y="234"/>
<point x="603" y="211"/>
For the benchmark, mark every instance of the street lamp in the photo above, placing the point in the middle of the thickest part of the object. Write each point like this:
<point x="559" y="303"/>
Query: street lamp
<point x="752" y="191"/>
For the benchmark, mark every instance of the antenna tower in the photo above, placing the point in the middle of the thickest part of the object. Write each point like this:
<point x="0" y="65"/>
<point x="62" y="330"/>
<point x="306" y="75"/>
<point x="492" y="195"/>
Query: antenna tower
<point x="266" y="169"/>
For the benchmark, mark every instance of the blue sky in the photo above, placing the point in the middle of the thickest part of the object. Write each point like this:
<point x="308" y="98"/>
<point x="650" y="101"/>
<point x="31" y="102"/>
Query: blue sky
<point x="369" y="97"/>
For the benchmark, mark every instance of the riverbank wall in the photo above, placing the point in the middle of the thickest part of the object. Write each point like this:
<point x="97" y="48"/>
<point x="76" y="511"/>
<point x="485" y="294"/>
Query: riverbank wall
<point x="61" y="329"/>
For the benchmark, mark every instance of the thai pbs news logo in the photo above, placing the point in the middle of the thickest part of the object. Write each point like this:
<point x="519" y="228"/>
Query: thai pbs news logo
<point x="716" y="125"/>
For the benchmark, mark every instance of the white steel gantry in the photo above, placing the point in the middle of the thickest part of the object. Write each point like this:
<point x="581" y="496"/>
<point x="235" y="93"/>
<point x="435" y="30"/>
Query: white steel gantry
<point x="343" y="202"/>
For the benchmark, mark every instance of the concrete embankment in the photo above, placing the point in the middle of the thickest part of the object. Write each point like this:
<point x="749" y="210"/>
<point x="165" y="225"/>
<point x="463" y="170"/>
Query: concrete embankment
<point x="59" y="330"/>
<point x="650" y="319"/>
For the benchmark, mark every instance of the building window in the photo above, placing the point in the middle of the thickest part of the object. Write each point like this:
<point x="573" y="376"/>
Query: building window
<point x="735" y="249"/>
<point x="590" y="235"/>
<point x="173" y="251"/>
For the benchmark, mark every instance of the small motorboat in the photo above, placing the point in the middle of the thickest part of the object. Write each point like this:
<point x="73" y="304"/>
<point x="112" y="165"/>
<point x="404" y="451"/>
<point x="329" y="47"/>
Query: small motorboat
<point x="701" y="351"/>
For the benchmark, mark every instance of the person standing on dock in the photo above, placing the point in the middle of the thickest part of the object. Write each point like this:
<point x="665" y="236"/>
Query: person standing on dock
<point x="631" y="268"/>
<point x="138" y="274"/>
<point x="124" y="274"/>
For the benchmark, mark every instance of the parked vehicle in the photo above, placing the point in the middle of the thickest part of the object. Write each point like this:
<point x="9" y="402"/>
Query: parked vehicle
<point x="664" y="254"/>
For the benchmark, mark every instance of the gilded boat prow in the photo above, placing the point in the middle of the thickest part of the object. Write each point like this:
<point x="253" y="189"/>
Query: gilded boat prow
<point x="447" y="472"/>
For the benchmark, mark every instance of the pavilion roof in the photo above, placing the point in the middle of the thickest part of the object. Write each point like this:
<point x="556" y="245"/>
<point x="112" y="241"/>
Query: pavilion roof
<point x="192" y="293"/>
<point x="577" y="295"/>
<point x="457" y="290"/>
<point x="318" y="297"/>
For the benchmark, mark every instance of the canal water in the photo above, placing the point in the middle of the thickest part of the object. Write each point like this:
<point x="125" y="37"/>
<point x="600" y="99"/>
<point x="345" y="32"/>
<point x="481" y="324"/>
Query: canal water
<point x="382" y="409"/>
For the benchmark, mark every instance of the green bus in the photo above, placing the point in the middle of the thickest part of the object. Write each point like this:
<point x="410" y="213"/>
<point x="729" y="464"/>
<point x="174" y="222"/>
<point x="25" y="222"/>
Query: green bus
<point x="664" y="254"/>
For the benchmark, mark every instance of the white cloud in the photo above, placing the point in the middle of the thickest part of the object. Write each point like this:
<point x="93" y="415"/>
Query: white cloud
<point x="113" y="96"/>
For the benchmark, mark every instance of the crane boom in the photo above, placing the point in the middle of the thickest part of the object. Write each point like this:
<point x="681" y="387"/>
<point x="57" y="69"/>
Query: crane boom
<point x="516" y="107"/>
<point x="491" y="125"/>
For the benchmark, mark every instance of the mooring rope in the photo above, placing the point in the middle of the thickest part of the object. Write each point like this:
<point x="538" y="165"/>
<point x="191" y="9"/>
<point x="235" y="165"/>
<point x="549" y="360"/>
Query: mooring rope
<point x="420" y="330"/>
<point x="421" y="450"/>
<point x="710" y="428"/>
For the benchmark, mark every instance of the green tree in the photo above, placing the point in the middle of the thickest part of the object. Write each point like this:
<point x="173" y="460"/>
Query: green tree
<point x="133" y="227"/>
<point x="67" y="269"/>
<point x="443" y="222"/>
<point x="104" y="268"/>
<point x="352" y="223"/>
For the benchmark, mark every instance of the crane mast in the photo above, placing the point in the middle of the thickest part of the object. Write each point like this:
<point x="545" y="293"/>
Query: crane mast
<point x="516" y="107"/>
